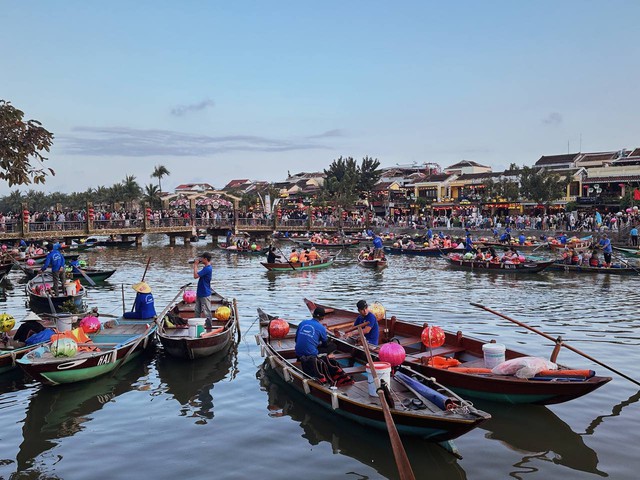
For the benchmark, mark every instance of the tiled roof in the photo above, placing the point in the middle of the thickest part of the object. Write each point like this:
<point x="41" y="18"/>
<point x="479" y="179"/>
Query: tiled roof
<point x="236" y="183"/>
<point x="466" y="163"/>
<point x="599" y="156"/>
<point x="556" y="159"/>
<point x="635" y="153"/>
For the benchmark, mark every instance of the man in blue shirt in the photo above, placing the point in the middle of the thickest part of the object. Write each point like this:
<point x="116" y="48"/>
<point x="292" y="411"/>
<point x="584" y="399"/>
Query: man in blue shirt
<point x="143" y="307"/>
<point x="368" y="321"/>
<point x="203" y="292"/>
<point x="562" y="238"/>
<point x="522" y="239"/>
<point x="605" y="245"/>
<point x="311" y="335"/>
<point x="468" y="243"/>
<point x="633" y="233"/>
<point x="56" y="261"/>
<point x="377" y="247"/>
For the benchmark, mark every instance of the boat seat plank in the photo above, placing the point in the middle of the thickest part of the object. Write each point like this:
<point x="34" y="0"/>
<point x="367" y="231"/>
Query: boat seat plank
<point x="409" y="341"/>
<point x="440" y="351"/>
<point x="356" y="369"/>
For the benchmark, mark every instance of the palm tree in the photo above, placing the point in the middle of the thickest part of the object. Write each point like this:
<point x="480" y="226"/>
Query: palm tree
<point x="131" y="190"/>
<point x="159" y="172"/>
<point x="152" y="196"/>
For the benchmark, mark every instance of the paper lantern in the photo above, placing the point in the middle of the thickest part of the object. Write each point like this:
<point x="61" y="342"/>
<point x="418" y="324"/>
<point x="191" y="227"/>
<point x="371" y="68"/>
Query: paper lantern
<point x="222" y="313"/>
<point x="189" y="296"/>
<point x="392" y="353"/>
<point x="433" y="337"/>
<point x="278" y="328"/>
<point x="378" y="310"/>
<point x="629" y="210"/>
<point x="64" y="347"/>
<point x="7" y="322"/>
<point x="90" y="324"/>
<point x="31" y="262"/>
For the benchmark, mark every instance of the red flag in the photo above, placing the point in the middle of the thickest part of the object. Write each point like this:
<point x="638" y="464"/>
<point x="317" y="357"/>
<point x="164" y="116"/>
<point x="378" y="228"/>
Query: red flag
<point x="636" y="194"/>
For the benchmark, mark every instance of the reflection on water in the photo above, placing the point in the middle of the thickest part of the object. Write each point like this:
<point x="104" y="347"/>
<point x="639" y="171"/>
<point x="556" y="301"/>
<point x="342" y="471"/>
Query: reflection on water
<point x="191" y="383"/>
<point x="537" y="433"/>
<point x="369" y="446"/>
<point x="62" y="411"/>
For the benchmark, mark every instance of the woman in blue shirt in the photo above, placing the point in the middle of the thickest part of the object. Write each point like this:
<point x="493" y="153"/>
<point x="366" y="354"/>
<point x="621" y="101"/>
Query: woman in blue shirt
<point x="143" y="306"/>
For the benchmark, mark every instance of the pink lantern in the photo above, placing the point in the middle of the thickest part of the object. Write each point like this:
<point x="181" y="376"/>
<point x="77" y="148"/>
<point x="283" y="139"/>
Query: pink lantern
<point x="433" y="337"/>
<point x="629" y="210"/>
<point x="90" y="324"/>
<point x="392" y="353"/>
<point x="31" y="262"/>
<point x="189" y="296"/>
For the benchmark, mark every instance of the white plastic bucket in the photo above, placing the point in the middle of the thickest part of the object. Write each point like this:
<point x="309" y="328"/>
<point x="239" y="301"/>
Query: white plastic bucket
<point x="383" y="370"/>
<point x="194" y="323"/>
<point x="493" y="354"/>
<point x="70" y="288"/>
<point x="63" y="324"/>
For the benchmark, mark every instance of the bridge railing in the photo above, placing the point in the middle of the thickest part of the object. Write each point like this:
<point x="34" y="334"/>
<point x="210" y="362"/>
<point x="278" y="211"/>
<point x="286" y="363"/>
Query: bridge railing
<point x="133" y="224"/>
<point x="293" y="223"/>
<point x="319" y="223"/>
<point x="11" y="226"/>
<point x="255" y="222"/>
<point x="214" y="222"/>
<point x="170" y="222"/>
<point x="52" y="226"/>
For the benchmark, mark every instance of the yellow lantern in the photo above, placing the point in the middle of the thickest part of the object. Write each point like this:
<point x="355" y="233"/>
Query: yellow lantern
<point x="378" y="310"/>
<point x="222" y="313"/>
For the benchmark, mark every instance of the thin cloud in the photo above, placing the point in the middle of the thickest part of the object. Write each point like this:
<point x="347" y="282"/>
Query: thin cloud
<point x="130" y="142"/>
<point x="182" y="110"/>
<point x="554" y="118"/>
<point x="336" y="132"/>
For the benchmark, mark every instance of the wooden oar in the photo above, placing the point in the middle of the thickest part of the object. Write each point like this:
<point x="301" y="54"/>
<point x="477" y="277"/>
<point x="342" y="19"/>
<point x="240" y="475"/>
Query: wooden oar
<point x="51" y="307"/>
<point x="539" y="246"/>
<point x="237" y="317"/>
<point x="143" y="275"/>
<point x="402" y="461"/>
<point x="624" y="262"/>
<point x="86" y="277"/>
<point x="549" y="337"/>
<point x="151" y="325"/>
<point x="285" y="257"/>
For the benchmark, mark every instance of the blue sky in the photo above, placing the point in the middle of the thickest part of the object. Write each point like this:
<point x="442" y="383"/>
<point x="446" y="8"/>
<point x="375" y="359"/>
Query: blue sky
<point x="219" y="90"/>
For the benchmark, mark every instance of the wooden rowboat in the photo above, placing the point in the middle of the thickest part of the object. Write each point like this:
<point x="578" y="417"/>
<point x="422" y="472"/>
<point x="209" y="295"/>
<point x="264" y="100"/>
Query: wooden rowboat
<point x="325" y="246"/>
<point x="582" y="243"/>
<point x="617" y="269"/>
<point x="543" y="390"/>
<point x="39" y="300"/>
<point x="530" y="266"/>
<point x="413" y="413"/>
<point x="629" y="252"/>
<point x="371" y="262"/>
<point x="5" y="268"/>
<point x="116" y="342"/>
<point x="421" y="251"/>
<point x="94" y="274"/>
<point x="297" y="266"/>
<point x="11" y="351"/>
<point x="180" y="341"/>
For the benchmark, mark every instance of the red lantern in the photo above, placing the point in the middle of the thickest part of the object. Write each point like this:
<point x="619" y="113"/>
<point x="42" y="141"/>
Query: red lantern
<point x="25" y="215"/>
<point x="392" y="353"/>
<point x="433" y="337"/>
<point x="344" y="215"/>
<point x="278" y="328"/>
<point x="279" y="214"/>
<point x="148" y="213"/>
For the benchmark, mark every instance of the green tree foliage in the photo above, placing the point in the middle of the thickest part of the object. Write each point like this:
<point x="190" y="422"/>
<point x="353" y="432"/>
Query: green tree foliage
<point x="131" y="190"/>
<point x="345" y="180"/>
<point x="20" y="143"/>
<point x="369" y="174"/>
<point x="340" y="187"/>
<point x="541" y="186"/>
<point x="159" y="172"/>
<point x="152" y="196"/>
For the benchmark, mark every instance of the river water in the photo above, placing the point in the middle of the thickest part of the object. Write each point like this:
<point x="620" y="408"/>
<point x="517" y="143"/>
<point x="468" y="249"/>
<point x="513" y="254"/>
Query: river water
<point x="219" y="418"/>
